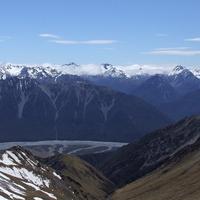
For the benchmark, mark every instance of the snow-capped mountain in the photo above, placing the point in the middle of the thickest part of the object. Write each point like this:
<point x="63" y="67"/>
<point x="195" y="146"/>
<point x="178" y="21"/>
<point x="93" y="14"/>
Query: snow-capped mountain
<point x="122" y="71"/>
<point x="164" y="88"/>
<point x="106" y="69"/>
<point x="178" y="69"/>
<point x="126" y="71"/>
<point x="183" y="80"/>
<point x="42" y="93"/>
<point x="196" y="72"/>
<point x="48" y="70"/>
<point x="31" y="71"/>
<point x="112" y="71"/>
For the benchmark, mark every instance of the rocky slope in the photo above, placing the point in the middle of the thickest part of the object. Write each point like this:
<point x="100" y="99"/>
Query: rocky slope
<point x="22" y="176"/>
<point x="86" y="181"/>
<point x="178" y="179"/>
<point x="137" y="159"/>
<point x="25" y="177"/>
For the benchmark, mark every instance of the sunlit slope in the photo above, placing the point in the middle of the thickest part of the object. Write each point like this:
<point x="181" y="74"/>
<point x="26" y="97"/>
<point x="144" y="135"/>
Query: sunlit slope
<point x="179" y="180"/>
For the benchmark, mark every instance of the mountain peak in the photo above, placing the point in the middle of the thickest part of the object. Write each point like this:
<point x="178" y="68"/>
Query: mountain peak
<point x="178" y="69"/>
<point x="71" y="64"/>
<point x="183" y="71"/>
<point x="151" y="151"/>
<point x="107" y="65"/>
<point x="113" y="71"/>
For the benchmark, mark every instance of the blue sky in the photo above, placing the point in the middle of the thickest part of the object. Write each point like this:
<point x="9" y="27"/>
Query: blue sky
<point x="157" y="32"/>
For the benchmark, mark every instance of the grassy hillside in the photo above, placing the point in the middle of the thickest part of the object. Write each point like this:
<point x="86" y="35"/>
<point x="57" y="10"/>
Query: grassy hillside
<point x="179" y="180"/>
<point x="86" y="181"/>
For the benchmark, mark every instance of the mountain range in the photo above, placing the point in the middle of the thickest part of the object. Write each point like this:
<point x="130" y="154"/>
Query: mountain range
<point x="128" y="79"/>
<point x="39" y="103"/>
<point x="93" y="102"/>
<point x="139" y="158"/>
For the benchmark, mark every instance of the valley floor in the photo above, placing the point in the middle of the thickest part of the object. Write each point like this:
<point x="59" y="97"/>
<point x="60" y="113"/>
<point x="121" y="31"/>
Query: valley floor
<point x="75" y="147"/>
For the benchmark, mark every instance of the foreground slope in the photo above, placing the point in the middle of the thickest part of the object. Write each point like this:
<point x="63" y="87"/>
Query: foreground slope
<point x="178" y="180"/>
<point x="22" y="176"/>
<point x="25" y="177"/>
<point x="86" y="181"/>
<point x="137" y="159"/>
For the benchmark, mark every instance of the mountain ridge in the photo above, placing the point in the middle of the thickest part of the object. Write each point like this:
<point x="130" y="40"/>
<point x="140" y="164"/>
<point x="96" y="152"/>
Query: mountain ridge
<point x="175" y="179"/>
<point x="143" y="156"/>
<point x="105" y="69"/>
<point x="72" y="108"/>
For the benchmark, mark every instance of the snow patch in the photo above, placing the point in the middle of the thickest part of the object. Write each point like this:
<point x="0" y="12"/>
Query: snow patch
<point x="24" y="174"/>
<point x="21" y="104"/>
<point x="105" y="108"/>
<point x="2" y="176"/>
<point x="12" y="195"/>
<point x="56" y="175"/>
<point x="14" y="157"/>
<point x="7" y="160"/>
